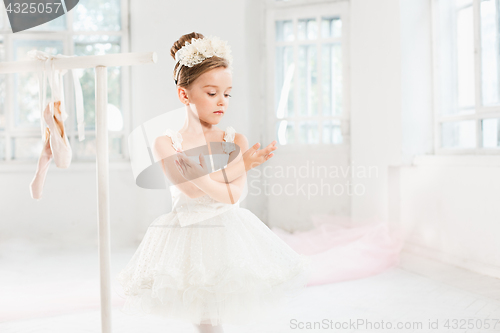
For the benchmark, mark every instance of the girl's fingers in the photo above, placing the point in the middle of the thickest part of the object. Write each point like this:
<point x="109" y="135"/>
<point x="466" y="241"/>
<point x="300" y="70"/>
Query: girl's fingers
<point x="266" y="151"/>
<point x="272" y="144"/>
<point x="179" y="168"/>
<point x="272" y="149"/>
<point x="187" y="162"/>
<point x="182" y="161"/>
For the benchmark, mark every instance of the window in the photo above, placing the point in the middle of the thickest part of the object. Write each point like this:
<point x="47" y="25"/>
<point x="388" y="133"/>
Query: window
<point x="93" y="27"/>
<point x="309" y="103"/>
<point x="467" y="76"/>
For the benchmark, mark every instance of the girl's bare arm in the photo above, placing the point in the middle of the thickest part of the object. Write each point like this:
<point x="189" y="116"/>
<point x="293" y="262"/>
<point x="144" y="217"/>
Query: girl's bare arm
<point x="231" y="191"/>
<point x="244" y="160"/>
<point x="163" y="152"/>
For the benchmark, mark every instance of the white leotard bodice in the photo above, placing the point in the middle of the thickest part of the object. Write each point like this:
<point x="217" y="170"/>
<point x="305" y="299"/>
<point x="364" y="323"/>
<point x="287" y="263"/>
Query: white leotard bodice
<point x="193" y="210"/>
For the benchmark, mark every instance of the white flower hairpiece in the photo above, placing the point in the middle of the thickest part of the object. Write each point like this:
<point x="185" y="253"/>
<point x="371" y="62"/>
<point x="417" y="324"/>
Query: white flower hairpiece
<point x="200" y="49"/>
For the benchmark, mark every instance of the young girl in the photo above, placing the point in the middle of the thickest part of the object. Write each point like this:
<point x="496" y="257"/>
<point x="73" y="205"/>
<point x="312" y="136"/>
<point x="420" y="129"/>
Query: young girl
<point x="209" y="261"/>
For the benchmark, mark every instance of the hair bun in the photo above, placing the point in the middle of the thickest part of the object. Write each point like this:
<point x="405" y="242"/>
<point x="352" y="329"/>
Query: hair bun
<point x="182" y="41"/>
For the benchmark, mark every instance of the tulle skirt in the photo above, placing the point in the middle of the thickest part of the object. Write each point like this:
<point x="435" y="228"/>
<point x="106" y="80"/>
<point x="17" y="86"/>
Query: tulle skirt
<point x="230" y="268"/>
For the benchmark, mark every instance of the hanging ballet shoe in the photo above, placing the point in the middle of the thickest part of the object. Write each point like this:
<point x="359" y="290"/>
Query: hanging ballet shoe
<point x="36" y="185"/>
<point x="61" y="150"/>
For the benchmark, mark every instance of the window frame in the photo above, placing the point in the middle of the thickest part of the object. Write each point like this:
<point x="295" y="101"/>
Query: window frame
<point x="481" y="112"/>
<point x="294" y="10"/>
<point x="66" y="36"/>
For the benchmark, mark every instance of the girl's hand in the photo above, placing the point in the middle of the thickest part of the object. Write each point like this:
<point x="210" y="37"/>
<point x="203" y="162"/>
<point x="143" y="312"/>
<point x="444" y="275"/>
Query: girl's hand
<point x="254" y="157"/>
<point x="190" y="170"/>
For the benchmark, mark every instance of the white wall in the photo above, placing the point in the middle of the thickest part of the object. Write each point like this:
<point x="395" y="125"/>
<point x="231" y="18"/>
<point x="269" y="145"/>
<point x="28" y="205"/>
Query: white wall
<point x="452" y="214"/>
<point x="375" y="100"/>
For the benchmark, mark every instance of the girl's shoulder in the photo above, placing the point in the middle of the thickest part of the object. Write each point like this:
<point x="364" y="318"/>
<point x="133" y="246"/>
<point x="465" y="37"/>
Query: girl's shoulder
<point x="237" y="138"/>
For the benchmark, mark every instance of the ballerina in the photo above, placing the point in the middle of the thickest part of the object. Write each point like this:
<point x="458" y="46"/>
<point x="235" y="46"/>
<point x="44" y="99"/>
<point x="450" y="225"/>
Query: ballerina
<point x="209" y="261"/>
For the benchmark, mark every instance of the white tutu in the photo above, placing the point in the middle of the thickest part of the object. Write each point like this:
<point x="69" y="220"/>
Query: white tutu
<point x="227" y="268"/>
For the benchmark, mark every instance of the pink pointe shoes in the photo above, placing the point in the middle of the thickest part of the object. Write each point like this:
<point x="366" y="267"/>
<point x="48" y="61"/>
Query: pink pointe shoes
<point x="58" y="143"/>
<point x="56" y="146"/>
<point x="36" y="185"/>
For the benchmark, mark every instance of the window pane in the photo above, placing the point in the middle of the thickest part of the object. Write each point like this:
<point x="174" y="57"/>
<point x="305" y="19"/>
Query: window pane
<point x="491" y="132"/>
<point x="284" y="31"/>
<point x="301" y="29"/>
<point x="86" y="149"/>
<point x="98" y="45"/>
<point x="308" y="81"/>
<point x="2" y="17"/>
<point x="93" y="15"/>
<point x="465" y="57"/>
<point x="3" y="86"/>
<point x="455" y="57"/>
<point x="27" y="148"/>
<point x="332" y="132"/>
<point x="308" y="132"/>
<point x="331" y="68"/>
<point x="331" y="27"/>
<point x="285" y="132"/>
<point x="489" y="52"/>
<point x="285" y="70"/>
<point x="26" y="103"/>
<point x="307" y="29"/>
<point x="458" y="134"/>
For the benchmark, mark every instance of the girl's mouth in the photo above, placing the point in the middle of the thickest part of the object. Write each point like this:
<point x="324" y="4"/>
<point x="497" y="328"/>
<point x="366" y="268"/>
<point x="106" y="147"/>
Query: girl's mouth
<point x="218" y="112"/>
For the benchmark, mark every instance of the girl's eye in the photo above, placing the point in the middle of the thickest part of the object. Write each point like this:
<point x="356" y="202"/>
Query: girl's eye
<point x="227" y="95"/>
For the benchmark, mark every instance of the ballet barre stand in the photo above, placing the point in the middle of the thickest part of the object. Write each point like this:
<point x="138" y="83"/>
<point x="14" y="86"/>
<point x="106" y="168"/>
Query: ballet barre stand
<point x="100" y="64"/>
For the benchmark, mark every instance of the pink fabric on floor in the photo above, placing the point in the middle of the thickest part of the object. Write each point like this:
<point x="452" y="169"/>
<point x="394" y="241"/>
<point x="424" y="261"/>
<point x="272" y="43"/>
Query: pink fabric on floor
<point x="341" y="250"/>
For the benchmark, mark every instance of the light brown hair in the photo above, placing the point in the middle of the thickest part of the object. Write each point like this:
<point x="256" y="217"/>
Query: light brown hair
<point x="188" y="75"/>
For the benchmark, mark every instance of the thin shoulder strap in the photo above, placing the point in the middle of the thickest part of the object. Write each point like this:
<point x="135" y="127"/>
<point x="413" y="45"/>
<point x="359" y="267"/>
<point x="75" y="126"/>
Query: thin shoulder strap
<point x="229" y="134"/>
<point x="176" y="138"/>
<point x="229" y="145"/>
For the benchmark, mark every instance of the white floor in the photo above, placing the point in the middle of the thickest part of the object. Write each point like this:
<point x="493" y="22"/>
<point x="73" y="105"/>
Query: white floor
<point x="60" y="293"/>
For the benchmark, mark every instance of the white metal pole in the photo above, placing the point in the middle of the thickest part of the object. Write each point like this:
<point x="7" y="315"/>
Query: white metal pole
<point x="100" y="63"/>
<point x="101" y="131"/>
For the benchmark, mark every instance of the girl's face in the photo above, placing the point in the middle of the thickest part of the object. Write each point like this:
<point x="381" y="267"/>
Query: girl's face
<point x="209" y="93"/>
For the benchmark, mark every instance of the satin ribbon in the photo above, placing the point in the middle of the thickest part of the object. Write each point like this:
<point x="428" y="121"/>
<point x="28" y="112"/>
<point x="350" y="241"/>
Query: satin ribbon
<point x="56" y="86"/>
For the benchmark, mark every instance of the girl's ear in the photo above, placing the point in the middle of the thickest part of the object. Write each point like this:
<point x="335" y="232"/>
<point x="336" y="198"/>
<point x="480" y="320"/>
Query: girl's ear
<point x="182" y="93"/>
